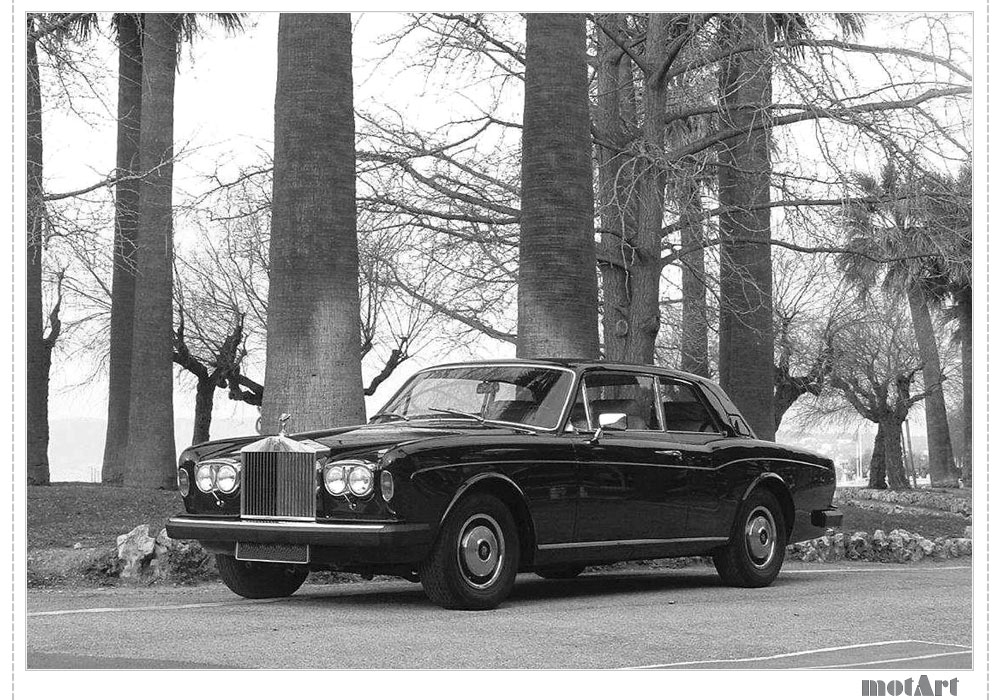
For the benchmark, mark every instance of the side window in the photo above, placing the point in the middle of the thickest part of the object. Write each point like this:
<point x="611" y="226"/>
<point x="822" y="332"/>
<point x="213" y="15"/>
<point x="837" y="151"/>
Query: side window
<point x="683" y="409"/>
<point x="622" y="392"/>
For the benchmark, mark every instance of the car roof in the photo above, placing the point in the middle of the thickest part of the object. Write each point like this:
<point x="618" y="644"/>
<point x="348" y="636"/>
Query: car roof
<point x="579" y="364"/>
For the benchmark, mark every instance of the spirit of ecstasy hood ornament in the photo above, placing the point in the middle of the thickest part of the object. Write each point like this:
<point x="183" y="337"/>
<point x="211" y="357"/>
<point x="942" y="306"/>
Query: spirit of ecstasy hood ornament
<point x="282" y="420"/>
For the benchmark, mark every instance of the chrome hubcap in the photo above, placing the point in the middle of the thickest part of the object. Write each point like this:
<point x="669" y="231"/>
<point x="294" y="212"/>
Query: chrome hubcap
<point x="760" y="537"/>
<point x="480" y="551"/>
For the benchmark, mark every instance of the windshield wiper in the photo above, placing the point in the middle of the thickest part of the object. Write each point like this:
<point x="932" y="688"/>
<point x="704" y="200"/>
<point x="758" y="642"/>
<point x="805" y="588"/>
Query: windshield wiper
<point x="388" y="414"/>
<point x="481" y="419"/>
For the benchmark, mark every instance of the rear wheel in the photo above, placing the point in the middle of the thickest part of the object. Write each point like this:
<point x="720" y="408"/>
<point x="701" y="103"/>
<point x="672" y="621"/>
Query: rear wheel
<point x="756" y="548"/>
<point x="256" y="579"/>
<point x="560" y="572"/>
<point x="473" y="562"/>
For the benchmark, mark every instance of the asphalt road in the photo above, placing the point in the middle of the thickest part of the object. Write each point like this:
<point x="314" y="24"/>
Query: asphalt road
<point x="820" y="615"/>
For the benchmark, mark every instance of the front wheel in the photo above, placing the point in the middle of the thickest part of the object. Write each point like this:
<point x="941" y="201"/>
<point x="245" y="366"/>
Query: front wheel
<point x="756" y="548"/>
<point x="473" y="562"/>
<point x="256" y="579"/>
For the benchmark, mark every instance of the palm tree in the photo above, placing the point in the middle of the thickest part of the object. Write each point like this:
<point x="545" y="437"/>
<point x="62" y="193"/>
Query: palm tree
<point x="129" y="35"/>
<point x="313" y="366"/>
<point x="128" y="32"/>
<point x="150" y="451"/>
<point x="37" y="371"/>
<point x="557" y="276"/>
<point x="896" y="225"/>
<point x="746" y="333"/>
<point x="950" y="209"/>
<point x="746" y="328"/>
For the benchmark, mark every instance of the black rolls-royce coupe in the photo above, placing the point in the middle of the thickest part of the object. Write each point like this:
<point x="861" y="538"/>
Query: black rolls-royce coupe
<point x="473" y="472"/>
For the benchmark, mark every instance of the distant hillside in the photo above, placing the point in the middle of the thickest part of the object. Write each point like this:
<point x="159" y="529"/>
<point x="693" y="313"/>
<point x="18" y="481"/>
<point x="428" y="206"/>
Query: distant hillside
<point x="76" y="445"/>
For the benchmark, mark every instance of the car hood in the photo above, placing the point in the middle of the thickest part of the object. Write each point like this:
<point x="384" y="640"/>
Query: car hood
<point x="356" y="441"/>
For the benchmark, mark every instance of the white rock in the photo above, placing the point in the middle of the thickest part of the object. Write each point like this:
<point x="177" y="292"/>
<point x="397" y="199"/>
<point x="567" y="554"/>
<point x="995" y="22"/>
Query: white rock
<point x="135" y="549"/>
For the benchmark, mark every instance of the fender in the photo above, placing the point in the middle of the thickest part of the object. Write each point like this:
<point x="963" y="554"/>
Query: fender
<point x="761" y="478"/>
<point x="482" y="476"/>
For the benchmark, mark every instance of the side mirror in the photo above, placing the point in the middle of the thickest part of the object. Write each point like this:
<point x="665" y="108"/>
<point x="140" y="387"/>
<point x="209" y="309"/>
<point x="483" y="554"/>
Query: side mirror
<point x="609" y="421"/>
<point x="613" y="421"/>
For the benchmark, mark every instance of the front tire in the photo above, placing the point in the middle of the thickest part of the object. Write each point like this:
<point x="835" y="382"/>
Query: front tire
<point x="256" y="579"/>
<point x="474" y="560"/>
<point x="756" y="548"/>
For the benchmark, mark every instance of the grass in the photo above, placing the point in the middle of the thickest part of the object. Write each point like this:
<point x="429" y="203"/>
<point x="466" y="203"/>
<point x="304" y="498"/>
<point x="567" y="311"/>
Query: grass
<point x="930" y="526"/>
<point x="65" y="513"/>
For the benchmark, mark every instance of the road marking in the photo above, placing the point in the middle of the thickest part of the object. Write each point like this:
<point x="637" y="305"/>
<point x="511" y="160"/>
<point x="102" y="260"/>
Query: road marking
<point x="890" y="661"/>
<point x="801" y="653"/>
<point x="868" y="571"/>
<point x="147" y="608"/>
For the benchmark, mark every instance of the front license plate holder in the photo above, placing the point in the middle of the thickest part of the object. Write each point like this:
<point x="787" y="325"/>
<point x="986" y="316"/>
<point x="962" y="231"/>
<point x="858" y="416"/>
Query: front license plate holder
<point x="274" y="552"/>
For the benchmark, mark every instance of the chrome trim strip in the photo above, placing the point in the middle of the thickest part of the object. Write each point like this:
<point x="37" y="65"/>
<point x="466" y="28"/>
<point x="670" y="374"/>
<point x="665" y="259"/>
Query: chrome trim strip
<point x="279" y="526"/>
<point x="619" y="543"/>
<point x="488" y="463"/>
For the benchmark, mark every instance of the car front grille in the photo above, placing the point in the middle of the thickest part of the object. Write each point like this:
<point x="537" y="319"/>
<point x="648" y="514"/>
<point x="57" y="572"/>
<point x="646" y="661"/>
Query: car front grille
<point x="279" y="485"/>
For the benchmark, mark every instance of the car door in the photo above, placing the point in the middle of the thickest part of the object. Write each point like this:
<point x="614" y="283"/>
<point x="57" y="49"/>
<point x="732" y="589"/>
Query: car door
<point x="696" y="429"/>
<point x="632" y="481"/>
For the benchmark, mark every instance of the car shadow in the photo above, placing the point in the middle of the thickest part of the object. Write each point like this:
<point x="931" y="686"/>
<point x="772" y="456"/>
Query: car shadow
<point x="603" y="583"/>
<point x="528" y="588"/>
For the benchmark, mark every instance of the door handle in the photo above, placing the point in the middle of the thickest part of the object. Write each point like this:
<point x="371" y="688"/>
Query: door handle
<point x="676" y="454"/>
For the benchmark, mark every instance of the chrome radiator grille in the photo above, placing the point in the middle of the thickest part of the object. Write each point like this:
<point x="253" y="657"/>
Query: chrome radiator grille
<point x="278" y="485"/>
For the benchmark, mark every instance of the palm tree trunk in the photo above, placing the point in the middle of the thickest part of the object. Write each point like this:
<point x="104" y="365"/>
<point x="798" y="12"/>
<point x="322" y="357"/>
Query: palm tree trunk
<point x="313" y="368"/>
<point x="123" y="255"/>
<point x="150" y="454"/>
<point x="557" y="276"/>
<point x="746" y="327"/>
<point x="965" y="332"/>
<point x="37" y="357"/>
<point x="942" y="460"/>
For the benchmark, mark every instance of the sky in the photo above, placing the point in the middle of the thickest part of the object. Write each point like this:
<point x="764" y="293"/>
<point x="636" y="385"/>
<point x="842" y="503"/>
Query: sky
<point x="224" y="106"/>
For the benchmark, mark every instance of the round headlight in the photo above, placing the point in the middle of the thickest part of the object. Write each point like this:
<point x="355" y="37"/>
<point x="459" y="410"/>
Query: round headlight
<point x="204" y="478"/>
<point x="183" y="482"/>
<point x="227" y="478"/>
<point x="360" y="481"/>
<point x="335" y="480"/>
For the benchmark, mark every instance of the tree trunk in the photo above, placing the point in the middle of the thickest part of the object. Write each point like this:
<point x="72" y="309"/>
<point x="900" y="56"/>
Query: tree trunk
<point x="876" y="467"/>
<point x="746" y="326"/>
<point x="150" y="454"/>
<point x="942" y="460"/>
<point x="694" y="312"/>
<point x="313" y="368"/>
<point x="204" y="399"/>
<point x="37" y="357"/>
<point x="557" y="276"/>
<point x="892" y="436"/>
<point x="965" y="332"/>
<point x="613" y="172"/>
<point x="632" y="302"/>
<point x="123" y="255"/>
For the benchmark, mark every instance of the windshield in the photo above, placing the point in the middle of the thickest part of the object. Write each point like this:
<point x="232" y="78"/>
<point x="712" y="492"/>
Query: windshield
<point x="533" y="396"/>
